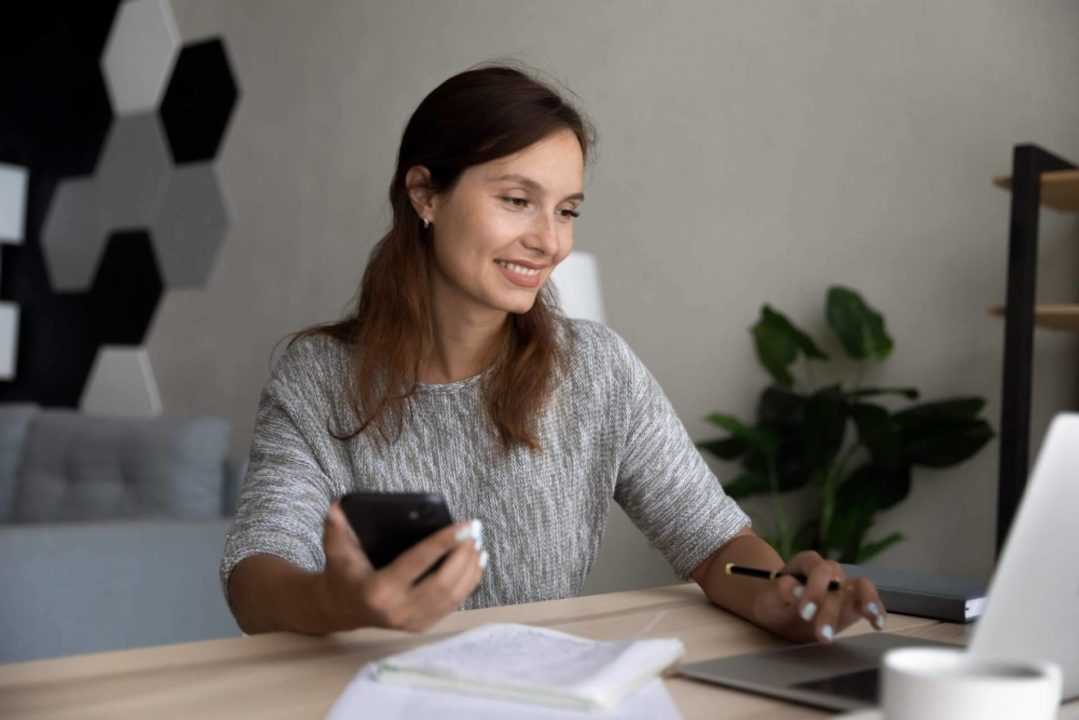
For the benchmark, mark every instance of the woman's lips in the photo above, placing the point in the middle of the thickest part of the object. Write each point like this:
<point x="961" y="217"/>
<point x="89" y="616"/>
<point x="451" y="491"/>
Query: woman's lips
<point x="522" y="277"/>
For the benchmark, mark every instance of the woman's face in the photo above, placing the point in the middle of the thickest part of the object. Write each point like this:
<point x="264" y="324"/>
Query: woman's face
<point x="504" y="227"/>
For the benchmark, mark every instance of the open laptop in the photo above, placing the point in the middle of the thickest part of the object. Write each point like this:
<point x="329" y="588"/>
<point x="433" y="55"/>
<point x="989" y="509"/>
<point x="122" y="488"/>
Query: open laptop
<point x="1032" y="610"/>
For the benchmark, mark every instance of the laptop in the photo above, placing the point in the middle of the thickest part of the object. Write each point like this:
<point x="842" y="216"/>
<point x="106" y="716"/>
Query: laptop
<point x="1031" y="612"/>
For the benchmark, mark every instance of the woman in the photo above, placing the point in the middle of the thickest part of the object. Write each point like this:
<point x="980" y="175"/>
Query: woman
<point x="456" y="373"/>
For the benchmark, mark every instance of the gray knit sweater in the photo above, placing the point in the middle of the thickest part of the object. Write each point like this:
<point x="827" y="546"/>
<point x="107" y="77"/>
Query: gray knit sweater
<point x="607" y="432"/>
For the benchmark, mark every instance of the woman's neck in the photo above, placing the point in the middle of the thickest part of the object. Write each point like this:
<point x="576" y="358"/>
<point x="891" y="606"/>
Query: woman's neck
<point x="464" y="345"/>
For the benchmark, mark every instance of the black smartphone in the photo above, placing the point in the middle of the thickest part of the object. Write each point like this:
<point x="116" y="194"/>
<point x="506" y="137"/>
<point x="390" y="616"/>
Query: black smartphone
<point x="387" y="524"/>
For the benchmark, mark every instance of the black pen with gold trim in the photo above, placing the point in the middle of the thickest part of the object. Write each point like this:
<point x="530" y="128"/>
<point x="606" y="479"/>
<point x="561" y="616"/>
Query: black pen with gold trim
<point x="732" y="569"/>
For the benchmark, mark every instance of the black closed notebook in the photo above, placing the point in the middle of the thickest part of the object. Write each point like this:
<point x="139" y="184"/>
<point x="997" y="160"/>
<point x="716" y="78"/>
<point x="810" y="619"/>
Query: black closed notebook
<point x="924" y="595"/>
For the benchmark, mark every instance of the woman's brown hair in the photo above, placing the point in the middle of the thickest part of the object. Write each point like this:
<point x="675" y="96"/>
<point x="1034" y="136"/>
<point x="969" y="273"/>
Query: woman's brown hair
<point x="480" y="115"/>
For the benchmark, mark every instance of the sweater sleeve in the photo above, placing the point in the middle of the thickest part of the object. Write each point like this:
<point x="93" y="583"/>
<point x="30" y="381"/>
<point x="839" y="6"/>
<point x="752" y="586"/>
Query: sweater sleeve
<point x="663" y="483"/>
<point x="288" y="488"/>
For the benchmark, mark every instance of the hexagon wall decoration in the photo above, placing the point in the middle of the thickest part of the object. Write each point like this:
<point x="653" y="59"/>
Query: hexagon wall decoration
<point x="116" y="212"/>
<point x="189" y="225"/>
<point x="199" y="102"/>
<point x="139" y="55"/>
<point x="73" y="237"/>
<point x="133" y="170"/>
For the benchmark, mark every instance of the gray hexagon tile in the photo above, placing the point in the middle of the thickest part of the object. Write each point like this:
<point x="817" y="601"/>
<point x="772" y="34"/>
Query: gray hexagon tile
<point x="133" y="170"/>
<point x="189" y="226"/>
<point x="12" y="203"/>
<point x="139" y="55"/>
<point x="74" y="234"/>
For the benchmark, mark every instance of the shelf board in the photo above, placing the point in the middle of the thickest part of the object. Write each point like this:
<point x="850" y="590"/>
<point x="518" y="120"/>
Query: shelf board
<point x="1060" y="189"/>
<point x="1057" y="317"/>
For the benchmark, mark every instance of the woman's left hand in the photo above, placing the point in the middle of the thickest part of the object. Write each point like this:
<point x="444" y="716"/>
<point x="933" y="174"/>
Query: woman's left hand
<point x="811" y="612"/>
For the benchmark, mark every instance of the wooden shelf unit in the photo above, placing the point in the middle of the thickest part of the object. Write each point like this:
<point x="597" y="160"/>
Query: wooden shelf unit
<point x="1056" y="317"/>
<point x="1059" y="189"/>
<point x="1039" y="178"/>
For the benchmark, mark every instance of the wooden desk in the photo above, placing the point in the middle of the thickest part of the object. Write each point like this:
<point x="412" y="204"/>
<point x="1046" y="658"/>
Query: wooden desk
<point x="291" y="676"/>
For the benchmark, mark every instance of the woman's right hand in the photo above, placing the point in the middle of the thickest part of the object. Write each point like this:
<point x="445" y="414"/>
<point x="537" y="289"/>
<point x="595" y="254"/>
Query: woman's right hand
<point x="354" y="594"/>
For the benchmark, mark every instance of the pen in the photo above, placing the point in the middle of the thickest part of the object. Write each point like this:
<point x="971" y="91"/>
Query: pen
<point x="732" y="569"/>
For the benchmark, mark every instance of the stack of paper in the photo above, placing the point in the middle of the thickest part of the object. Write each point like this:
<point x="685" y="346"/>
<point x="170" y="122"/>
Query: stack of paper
<point x="533" y="664"/>
<point x="365" y="697"/>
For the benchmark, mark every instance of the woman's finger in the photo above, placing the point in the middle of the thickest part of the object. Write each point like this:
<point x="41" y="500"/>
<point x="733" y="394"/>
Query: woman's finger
<point x="340" y="544"/>
<point x="410" y="565"/>
<point x="868" y="602"/>
<point x="435" y="596"/>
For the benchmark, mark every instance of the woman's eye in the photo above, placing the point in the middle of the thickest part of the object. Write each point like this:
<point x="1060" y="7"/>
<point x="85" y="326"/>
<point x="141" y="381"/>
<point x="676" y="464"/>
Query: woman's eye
<point x="515" y="200"/>
<point x="571" y="213"/>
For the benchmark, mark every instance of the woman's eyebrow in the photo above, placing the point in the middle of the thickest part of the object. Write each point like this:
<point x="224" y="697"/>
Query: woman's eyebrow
<point x="532" y="185"/>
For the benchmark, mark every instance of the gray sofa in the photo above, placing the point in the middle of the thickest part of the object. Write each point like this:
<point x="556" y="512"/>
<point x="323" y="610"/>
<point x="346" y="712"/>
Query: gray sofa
<point x="111" y="530"/>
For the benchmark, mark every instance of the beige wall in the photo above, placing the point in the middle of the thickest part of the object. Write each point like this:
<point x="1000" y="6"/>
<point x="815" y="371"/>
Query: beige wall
<point x="749" y="152"/>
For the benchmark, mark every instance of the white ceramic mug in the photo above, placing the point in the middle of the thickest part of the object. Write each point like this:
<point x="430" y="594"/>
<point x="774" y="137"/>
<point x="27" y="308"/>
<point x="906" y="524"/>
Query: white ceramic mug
<point x="924" y="683"/>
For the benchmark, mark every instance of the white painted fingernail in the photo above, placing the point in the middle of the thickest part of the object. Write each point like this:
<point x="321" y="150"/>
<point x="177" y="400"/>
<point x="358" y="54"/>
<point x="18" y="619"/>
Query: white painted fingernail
<point x="879" y="622"/>
<point x="799" y="591"/>
<point x="827" y="633"/>
<point x="809" y="611"/>
<point x="483" y="559"/>
<point x="873" y="609"/>
<point x="463" y="533"/>
<point x="477" y="533"/>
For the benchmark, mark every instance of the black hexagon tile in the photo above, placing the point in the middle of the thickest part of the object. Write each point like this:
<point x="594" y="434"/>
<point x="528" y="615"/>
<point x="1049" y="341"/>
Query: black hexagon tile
<point x="126" y="290"/>
<point x="198" y="101"/>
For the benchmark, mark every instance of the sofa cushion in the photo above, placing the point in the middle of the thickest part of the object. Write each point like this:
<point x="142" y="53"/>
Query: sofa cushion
<point x="90" y="587"/>
<point x="14" y="422"/>
<point x="79" y="467"/>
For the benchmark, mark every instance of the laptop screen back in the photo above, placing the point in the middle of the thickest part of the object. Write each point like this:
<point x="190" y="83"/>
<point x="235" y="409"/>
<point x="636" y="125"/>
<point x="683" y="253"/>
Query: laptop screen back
<point x="1033" y="607"/>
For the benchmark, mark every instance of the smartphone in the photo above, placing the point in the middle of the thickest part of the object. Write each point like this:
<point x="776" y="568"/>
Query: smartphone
<point x="387" y="524"/>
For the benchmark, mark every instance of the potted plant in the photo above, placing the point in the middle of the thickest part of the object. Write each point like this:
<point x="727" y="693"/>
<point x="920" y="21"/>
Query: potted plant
<point x="857" y="452"/>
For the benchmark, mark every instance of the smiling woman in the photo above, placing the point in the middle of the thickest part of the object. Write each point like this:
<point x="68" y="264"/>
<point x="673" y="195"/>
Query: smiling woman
<point x="456" y="373"/>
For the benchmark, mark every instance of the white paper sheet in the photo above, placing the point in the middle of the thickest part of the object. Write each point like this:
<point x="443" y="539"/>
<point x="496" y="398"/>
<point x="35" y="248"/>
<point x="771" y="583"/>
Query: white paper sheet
<point x="365" y="697"/>
<point x="523" y="662"/>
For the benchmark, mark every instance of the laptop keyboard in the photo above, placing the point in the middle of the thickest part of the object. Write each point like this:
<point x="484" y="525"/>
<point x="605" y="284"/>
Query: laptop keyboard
<point x="859" y="685"/>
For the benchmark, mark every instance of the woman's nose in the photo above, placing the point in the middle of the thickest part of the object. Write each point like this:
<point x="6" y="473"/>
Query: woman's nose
<point x="544" y="236"/>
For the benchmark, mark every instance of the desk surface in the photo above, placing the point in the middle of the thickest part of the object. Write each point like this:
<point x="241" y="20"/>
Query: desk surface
<point x="291" y="676"/>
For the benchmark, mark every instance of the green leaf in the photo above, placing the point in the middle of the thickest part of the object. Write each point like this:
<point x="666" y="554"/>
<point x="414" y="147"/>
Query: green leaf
<point x="847" y="529"/>
<point x="730" y="448"/>
<point x="860" y="328"/>
<point x="790" y="467"/>
<point x="750" y="483"/>
<point x="870" y="550"/>
<point x="825" y="425"/>
<point x="874" y="484"/>
<point x="780" y="408"/>
<point x="778" y="342"/>
<point x="909" y="393"/>
<point x="756" y="438"/>
<point x="945" y="432"/>
<point x="878" y="432"/>
<point x="949" y="446"/>
<point x="940" y="412"/>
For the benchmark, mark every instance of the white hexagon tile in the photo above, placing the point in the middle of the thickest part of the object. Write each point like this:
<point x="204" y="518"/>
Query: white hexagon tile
<point x="139" y="55"/>
<point x="121" y="383"/>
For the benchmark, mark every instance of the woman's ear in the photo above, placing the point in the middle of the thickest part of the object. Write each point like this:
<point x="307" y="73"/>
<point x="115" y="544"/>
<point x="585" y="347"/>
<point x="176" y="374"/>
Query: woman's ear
<point x="420" y="191"/>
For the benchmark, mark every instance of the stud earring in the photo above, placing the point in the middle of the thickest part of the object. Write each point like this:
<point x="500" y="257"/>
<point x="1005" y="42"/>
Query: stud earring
<point x="426" y="223"/>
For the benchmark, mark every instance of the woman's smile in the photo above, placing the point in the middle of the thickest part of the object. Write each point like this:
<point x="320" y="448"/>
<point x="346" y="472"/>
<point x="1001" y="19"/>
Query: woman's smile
<point x="518" y="274"/>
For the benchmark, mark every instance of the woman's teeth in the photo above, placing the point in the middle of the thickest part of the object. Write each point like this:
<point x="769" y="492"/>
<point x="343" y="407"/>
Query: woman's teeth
<point x="519" y="269"/>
